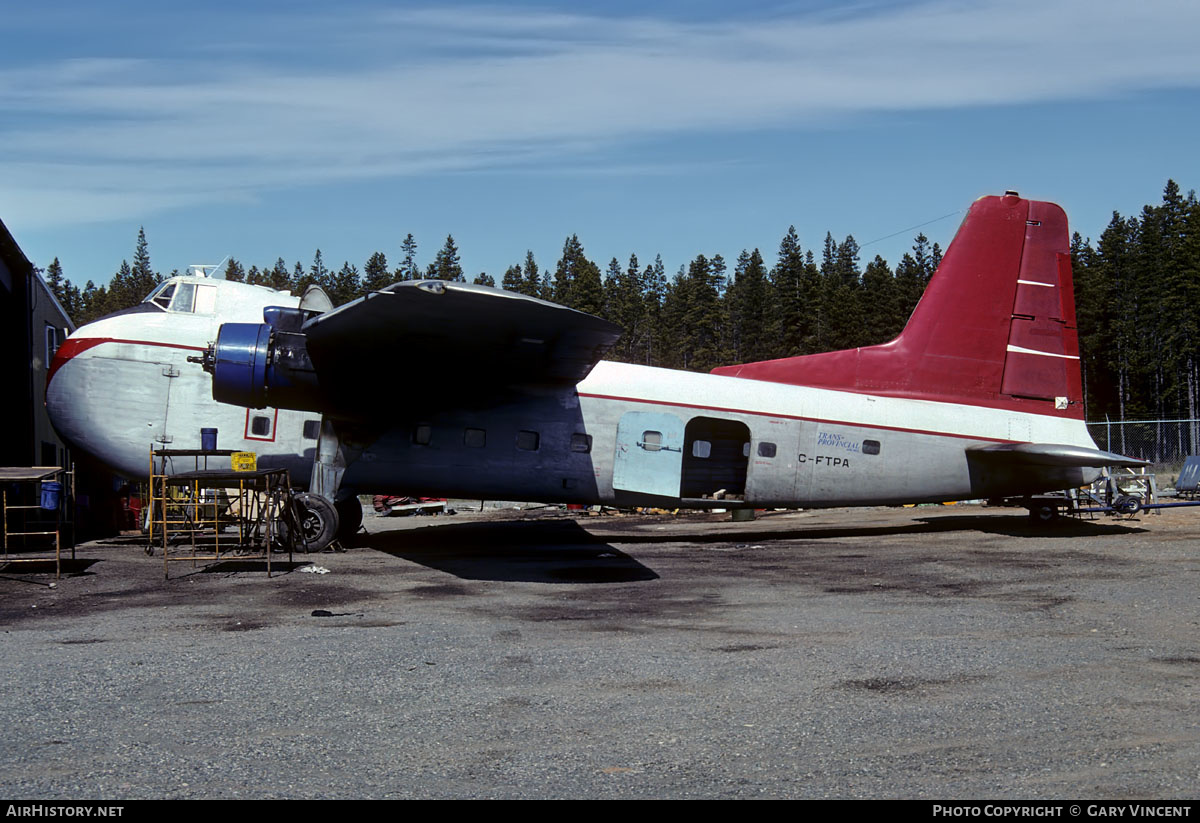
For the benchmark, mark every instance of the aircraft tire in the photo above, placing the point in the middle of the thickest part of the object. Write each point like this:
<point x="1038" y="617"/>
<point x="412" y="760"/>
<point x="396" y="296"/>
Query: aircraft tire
<point x="1127" y="504"/>
<point x="350" y="518"/>
<point x="1043" y="514"/>
<point x="317" y="520"/>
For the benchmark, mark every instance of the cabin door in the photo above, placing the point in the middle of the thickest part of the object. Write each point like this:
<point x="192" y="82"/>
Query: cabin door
<point x="649" y="457"/>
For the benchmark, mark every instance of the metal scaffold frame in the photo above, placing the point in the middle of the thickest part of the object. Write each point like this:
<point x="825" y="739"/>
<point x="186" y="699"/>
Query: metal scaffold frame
<point x="20" y="475"/>
<point x="195" y="507"/>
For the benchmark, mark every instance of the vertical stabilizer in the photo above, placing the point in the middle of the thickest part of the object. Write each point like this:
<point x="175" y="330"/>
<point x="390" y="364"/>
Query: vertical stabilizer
<point x="995" y="327"/>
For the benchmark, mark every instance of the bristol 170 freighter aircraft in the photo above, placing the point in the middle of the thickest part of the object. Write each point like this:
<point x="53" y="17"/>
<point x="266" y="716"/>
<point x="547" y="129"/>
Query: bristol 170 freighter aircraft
<point x="980" y="395"/>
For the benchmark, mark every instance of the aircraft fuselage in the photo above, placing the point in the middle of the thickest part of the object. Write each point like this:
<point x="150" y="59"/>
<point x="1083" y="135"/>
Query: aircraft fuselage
<point x="626" y="435"/>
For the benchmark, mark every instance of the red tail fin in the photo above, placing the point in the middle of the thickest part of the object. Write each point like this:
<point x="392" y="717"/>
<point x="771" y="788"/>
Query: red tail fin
<point x="995" y="327"/>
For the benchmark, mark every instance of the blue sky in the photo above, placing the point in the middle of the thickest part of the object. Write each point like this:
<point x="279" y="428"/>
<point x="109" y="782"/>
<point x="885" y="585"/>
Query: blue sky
<point x="261" y="130"/>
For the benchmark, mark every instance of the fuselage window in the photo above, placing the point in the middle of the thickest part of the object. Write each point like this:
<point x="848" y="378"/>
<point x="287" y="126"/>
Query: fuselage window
<point x="312" y="429"/>
<point x="528" y="441"/>
<point x="701" y="448"/>
<point x="581" y="443"/>
<point x="651" y="441"/>
<point x="206" y="299"/>
<point x="870" y="447"/>
<point x="475" y="438"/>
<point x="766" y="449"/>
<point x="422" y="434"/>
<point x="260" y="426"/>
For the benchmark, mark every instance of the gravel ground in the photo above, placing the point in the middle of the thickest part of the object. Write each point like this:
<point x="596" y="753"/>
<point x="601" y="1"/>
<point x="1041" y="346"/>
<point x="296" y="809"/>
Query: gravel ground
<point x="944" y="652"/>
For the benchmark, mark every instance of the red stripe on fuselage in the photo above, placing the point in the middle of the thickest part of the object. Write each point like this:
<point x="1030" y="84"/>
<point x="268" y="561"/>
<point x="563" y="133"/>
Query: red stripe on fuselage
<point x="798" y="417"/>
<point x="76" y="346"/>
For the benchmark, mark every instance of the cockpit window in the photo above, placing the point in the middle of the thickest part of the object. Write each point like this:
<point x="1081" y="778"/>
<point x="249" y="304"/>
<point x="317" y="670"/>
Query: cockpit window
<point x="161" y="296"/>
<point x="183" y="297"/>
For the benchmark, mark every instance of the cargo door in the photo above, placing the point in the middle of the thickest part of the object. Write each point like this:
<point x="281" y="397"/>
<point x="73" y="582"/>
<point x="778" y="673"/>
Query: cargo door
<point x="649" y="456"/>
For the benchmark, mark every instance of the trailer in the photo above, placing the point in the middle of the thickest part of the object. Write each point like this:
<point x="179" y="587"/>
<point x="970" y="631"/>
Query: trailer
<point x="1116" y="493"/>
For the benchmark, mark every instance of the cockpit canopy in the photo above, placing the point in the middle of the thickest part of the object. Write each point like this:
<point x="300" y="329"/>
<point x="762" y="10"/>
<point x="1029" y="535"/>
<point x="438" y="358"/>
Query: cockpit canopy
<point x="184" y="295"/>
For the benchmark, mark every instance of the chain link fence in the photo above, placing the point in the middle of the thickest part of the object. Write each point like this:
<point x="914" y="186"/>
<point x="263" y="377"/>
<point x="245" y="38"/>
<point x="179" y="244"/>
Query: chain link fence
<point x="1162" y="442"/>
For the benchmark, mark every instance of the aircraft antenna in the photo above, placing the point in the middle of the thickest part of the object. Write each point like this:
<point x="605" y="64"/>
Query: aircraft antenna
<point x="209" y="270"/>
<point x="910" y="228"/>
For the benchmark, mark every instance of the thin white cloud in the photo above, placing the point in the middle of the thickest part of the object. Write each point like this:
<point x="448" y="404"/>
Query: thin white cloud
<point x="398" y="93"/>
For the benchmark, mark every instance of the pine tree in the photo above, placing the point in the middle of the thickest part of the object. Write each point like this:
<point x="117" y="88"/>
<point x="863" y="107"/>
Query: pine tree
<point x="375" y="273"/>
<point x="95" y="303"/>
<point x="794" y="283"/>
<point x="234" y="271"/>
<point x="122" y="291"/>
<point x="317" y="271"/>
<point x="628" y="310"/>
<point x="654" y="284"/>
<point x="446" y="265"/>
<point x="611" y="288"/>
<point x="317" y="275"/>
<point x="747" y="310"/>
<point x="408" y="265"/>
<point x="913" y="273"/>
<point x="343" y="286"/>
<point x="701" y="315"/>
<point x="143" y="278"/>
<point x="58" y="285"/>
<point x="577" y="281"/>
<point x="881" y="318"/>
<point x="512" y="280"/>
<point x="842" y="311"/>
<point x="484" y="279"/>
<point x="534" y="285"/>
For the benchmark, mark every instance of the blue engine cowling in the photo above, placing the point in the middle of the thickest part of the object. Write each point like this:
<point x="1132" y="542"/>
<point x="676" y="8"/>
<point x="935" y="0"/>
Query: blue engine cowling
<point x="256" y="365"/>
<point x="239" y="364"/>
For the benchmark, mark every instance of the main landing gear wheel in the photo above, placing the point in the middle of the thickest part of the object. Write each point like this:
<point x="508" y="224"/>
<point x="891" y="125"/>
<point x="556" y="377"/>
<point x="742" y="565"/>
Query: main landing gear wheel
<point x="1044" y="513"/>
<point x="317" y="521"/>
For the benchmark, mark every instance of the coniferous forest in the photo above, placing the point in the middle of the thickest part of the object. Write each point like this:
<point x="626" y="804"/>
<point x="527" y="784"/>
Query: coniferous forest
<point x="1137" y="292"/>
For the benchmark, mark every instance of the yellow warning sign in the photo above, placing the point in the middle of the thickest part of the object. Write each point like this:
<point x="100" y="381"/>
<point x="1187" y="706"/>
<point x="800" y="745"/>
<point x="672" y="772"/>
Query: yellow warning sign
<point x="244" y="461"/>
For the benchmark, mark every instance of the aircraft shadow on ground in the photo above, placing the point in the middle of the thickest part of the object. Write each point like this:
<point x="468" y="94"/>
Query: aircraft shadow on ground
<point x="513" y="551"/>
<point x="1024" y="526"/>
<point x="558" y="551"/>
<point x="1007" y="525"/>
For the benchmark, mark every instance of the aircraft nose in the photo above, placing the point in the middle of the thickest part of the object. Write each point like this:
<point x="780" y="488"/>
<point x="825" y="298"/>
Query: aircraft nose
<point x="96" y="404"/>
<point x="67" y="401"/>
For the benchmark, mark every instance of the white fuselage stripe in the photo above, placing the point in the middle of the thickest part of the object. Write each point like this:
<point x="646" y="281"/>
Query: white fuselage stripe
<point x="1020" y="350"/>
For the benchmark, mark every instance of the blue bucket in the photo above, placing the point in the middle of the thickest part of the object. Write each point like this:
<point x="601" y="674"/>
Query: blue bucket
<point x="51" y="489"/>
<point x="208" y="440"/>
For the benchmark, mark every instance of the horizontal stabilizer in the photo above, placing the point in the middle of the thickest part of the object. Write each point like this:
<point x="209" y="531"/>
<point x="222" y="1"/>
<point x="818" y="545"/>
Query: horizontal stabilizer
<point x="1052" y="454"/>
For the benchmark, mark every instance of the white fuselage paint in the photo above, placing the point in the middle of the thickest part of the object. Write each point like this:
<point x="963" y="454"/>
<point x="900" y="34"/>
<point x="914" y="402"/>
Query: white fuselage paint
<point x="135" y="391"/>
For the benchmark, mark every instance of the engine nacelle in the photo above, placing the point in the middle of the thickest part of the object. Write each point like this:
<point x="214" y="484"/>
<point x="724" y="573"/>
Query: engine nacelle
<point x="256" y="365"/>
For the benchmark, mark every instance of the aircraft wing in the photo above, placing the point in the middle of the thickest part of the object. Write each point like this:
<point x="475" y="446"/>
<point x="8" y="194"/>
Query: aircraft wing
<point x="487" y="335"/>
<point x="428" y="342"/>
<point x="1052" y="454"/>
